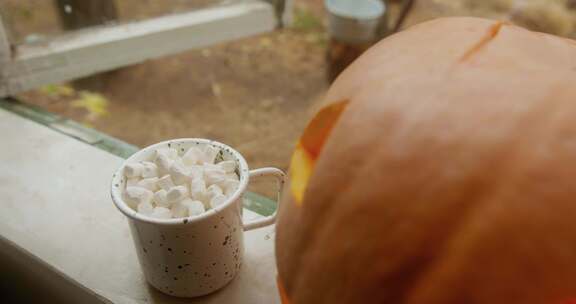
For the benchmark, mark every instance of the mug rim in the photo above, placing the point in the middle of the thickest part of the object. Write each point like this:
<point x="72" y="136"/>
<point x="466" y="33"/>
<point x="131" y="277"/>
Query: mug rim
<point x="116" y="192"/>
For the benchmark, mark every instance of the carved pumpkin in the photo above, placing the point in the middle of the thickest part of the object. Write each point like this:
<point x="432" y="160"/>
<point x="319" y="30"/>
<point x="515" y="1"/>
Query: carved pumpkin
<point x="441" y="170"/>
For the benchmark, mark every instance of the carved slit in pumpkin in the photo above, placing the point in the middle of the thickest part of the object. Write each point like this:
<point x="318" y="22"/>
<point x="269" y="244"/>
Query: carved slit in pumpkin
<point x="310" y="145"/>
<point x="493" y="31"/>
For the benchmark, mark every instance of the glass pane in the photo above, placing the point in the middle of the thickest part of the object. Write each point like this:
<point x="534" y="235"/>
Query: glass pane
<point x="30" y="21"/>
<point x="255" y="94"/>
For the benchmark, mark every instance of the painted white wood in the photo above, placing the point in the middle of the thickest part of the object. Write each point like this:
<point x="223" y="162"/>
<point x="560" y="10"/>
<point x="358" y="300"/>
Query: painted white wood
<point x="57" y="208"/>
<point x="86" y="52"/>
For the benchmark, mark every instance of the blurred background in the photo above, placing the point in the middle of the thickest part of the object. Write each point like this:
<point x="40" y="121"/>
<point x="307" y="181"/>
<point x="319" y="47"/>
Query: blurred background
<point x="254" y="93"/>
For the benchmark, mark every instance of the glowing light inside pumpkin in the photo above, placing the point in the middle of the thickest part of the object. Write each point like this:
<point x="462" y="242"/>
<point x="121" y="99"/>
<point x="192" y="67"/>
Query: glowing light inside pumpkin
<point x="300" y="171"/>
<point x="282" y="292"/>
<point x="309" y="147"/>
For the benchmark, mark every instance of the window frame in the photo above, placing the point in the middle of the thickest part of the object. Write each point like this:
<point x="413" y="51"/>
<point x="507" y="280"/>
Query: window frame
<point x="96" y="49"/>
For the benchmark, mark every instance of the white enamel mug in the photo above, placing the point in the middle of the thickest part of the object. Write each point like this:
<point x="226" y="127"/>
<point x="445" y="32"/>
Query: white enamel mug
<point x="194" y="256"/>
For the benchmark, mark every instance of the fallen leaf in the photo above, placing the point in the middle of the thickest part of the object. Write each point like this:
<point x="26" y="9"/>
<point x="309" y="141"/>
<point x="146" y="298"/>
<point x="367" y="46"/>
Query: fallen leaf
<point x="96" y="104"/>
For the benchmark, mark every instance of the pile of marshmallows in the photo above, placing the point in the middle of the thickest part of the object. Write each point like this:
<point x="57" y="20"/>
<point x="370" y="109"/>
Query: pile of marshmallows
<point x="174" y="186"/>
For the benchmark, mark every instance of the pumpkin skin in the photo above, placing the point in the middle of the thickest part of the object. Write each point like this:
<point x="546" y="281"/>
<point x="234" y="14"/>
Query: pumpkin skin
<point x="450" y="176"/>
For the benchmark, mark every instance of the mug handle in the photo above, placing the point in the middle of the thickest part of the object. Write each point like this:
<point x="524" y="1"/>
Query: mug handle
<point x="281" y="177"/>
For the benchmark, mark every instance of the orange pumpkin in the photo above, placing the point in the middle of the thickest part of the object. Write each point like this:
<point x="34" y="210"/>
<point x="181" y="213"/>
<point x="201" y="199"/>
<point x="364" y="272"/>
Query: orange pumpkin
<point x="441" y="171"/>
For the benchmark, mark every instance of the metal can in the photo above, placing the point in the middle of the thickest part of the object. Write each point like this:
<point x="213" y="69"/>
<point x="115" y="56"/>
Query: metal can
<point x="354" y="26"/>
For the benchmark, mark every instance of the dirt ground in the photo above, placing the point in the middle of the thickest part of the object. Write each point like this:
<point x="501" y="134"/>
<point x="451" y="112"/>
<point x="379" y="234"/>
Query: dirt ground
<point x="254" y="94"/>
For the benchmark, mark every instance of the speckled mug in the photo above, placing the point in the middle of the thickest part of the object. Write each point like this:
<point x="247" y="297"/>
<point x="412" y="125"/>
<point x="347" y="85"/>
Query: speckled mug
<point x="193" y="256"/>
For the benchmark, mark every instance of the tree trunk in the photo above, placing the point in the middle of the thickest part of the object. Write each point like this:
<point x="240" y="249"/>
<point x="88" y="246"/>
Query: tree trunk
<point x="78" y="14"/>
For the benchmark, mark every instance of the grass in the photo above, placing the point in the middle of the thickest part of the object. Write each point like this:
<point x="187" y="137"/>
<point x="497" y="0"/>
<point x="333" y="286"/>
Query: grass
<point x="306" y="21"/>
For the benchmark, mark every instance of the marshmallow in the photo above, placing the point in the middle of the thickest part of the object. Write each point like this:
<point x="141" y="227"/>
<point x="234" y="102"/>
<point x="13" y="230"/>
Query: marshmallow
<point x="161" y="213"/>
<point x="196" y="172"/>
<point x="149" y="169"/>
<point x="145" y="208"/>
<point x="164" y="162"/>
<point x="170" y="152"/>
<point x="214" y="190"/>
<point x="166" y="185"/>
<point x="197" y="185"/>
<point x="198" y="191"/>
<point x="217" y="200"/>
<point x="165" y="182"/>
<point x="132" y="203"/>
<point x="192" y="157"/>
<point x="231" y="176"/>
<point x="230" y="186"/>
<point x="133" y="170"/>
<point x="160" y="198"/>
<point x="194" y="207"/>
<point x="228" y="166"/>
<point x="132" y="182"/>
<point x="139" y="193"/>
<point x="177" y="194"/>
<point x="205" y="198"/>
<point x="179" y="209"/>
<point x="230" y="181"/>
<point x="208" y="166"/>
<point x="210" y="154"/>
<point x="214" y="176"/>
<point x="179" y="173"/>
<point x="149" y="183"/>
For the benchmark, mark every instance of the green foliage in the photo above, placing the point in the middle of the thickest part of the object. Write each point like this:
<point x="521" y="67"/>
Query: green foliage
<point x="305" y="20"/>
<point x="57" y="90"/>
<point x="94" y="103"/>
